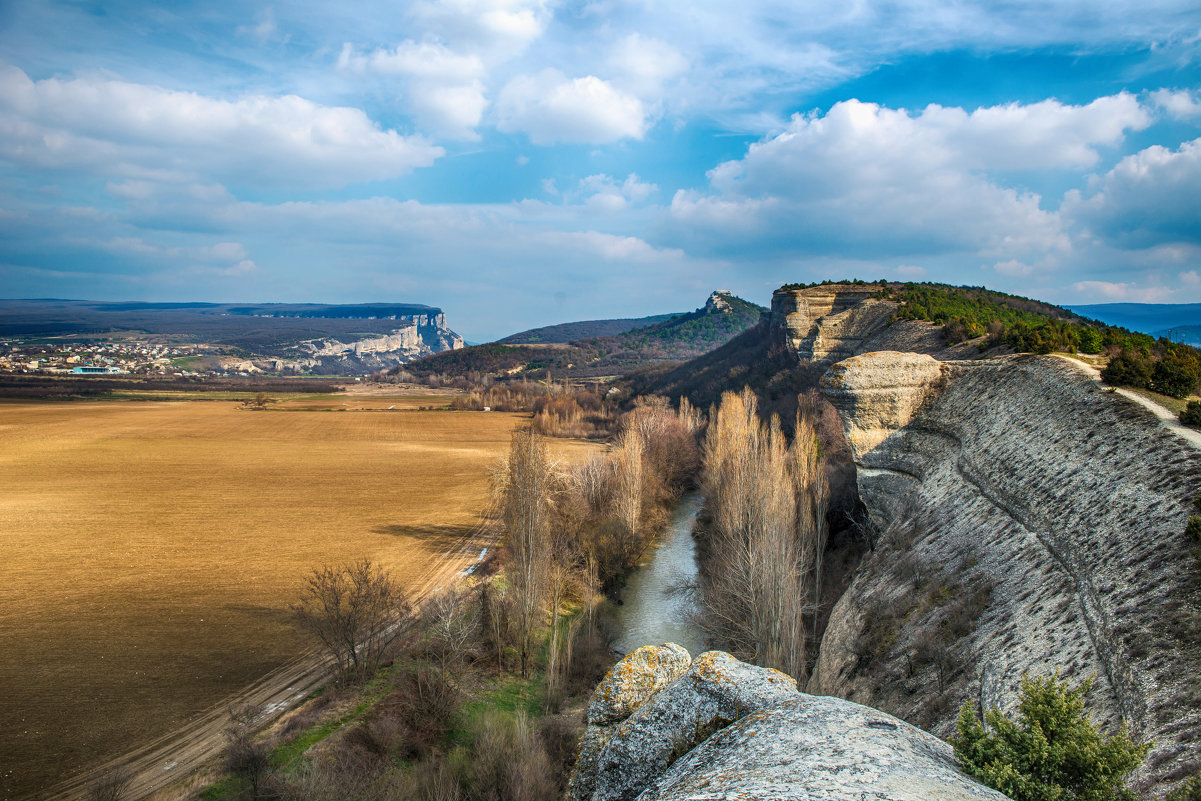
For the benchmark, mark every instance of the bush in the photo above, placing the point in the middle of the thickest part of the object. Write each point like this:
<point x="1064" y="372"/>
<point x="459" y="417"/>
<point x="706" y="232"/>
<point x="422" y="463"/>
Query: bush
<point x="1127" y="369"/>
<point x="1189" y="791"/>
<point x="1176" y="374"/>
<point x="1191" y="416"/>
<point x="1052" y="752"/>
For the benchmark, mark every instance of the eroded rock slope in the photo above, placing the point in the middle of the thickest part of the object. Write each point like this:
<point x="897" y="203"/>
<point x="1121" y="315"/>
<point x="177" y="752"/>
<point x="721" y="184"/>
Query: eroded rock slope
<point x="1032" y="521"/>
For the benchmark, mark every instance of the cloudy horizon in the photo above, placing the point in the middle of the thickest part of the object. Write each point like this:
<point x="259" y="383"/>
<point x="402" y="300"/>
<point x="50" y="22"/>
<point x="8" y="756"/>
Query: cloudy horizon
<point x="524" y="162"/>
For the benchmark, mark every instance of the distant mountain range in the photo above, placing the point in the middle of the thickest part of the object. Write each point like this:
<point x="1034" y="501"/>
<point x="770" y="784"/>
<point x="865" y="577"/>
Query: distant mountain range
<point x="542" y="352"/>
<point x="1179" y="322"/>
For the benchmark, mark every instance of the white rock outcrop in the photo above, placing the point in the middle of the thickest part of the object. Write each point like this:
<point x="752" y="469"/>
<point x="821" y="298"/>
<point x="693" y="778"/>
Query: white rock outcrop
<point x="725" y="729"/>
<point x="1068" y="501"/>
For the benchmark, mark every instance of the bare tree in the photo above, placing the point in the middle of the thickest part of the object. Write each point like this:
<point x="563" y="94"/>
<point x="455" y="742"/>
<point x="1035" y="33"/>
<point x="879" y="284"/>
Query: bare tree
<point x="526" y="488"/>
<point x="243" y="755"/>
<point x="357" y="612"/>
<point x="755" y="581"/>
<point x="111" y="785"/>
<point x="627" y="495"/>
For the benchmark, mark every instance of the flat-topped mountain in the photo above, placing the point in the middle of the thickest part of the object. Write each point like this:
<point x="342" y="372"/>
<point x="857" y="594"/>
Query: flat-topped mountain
<point x="277" y="337"/>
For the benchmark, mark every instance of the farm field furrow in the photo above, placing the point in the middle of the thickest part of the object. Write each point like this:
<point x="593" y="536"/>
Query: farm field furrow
<point x="150" y="551"/>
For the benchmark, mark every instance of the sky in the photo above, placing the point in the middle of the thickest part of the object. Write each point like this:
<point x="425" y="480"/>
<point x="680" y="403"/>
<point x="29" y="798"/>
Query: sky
<point x="527" y="162"/>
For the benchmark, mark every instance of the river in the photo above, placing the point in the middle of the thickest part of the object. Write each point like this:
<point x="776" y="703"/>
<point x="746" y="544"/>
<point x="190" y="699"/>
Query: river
<point x="656" y="607"/>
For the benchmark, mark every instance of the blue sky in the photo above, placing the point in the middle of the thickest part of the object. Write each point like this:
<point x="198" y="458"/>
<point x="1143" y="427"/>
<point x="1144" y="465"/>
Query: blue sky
<point x="521" y="162"/>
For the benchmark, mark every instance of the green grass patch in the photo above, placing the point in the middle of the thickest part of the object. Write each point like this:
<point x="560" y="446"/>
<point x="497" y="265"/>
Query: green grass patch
<point x="1174" y="405"/>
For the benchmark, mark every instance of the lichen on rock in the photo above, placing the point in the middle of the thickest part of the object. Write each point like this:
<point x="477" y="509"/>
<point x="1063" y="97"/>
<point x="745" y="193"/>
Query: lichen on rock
<point x="726" y="729"/>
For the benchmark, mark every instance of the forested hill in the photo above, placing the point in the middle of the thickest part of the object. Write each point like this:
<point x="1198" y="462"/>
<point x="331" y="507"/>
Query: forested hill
<point x="682" y="337"/>
<point x="585" y="329"/>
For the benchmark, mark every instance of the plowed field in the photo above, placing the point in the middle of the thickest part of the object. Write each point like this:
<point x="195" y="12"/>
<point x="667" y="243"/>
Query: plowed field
<point x="149" y="551"/>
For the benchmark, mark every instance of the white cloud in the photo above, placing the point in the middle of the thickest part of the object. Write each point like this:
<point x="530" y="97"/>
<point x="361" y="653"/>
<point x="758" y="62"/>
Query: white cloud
<point x="1190" y="278"/>
<point x="864" y="180"/>
<point x="1108" y="290"/>
<point x="910" y="272"/>
<point x="550" y="108"/>
<point x="643" y="64"/>
<point x="1150" y="198"/>
<point x="1013" y="268"/>
<point x="150" y="133"/>
<point x="603" y="193"/>
<point x="500" y="28"/>
<point x="1180" y="104"/>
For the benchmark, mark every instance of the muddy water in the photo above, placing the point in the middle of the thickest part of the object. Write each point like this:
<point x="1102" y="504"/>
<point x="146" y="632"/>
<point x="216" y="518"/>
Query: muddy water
<point x="656" y="607"/>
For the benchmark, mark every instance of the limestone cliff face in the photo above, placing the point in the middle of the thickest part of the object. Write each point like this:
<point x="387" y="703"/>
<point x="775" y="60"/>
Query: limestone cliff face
<point x="423" y="335"/>
<point x="824" y="324"/>
<point x="661" y="728"/>
<point x="1032" y="521"/>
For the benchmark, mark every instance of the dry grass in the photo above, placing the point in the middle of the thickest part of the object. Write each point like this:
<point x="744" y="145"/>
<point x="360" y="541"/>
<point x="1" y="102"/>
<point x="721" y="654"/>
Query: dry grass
<point x="150" y="551"/>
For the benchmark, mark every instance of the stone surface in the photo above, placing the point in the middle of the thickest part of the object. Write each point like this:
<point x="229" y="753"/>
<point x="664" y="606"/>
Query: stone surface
<point x="726" y="729"/>
<point x="811" y="747"/>
<point x="1069" y="501"/>
<point x="634" y="679"/>
<point x="716" y="691"/>
<point x="878" y="393"/>
<point x="627" y="686"/>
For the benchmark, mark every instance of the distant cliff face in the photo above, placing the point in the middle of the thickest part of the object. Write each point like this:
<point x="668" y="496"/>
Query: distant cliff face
<point x="1032" y="521"/>
<point x="412" y="339"/>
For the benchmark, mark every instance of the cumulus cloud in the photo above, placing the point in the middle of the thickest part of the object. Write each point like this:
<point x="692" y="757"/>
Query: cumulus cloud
<point x="603" y="193"/>
<point x="1179" y="104"/>
<point x="550" y="108"/>
<point x="150" y="133"/>
<point x="866" y="180"/>
<point x="643" y="64"/>
<point x="501" y="28"/>
<point x="1150" y="198"/>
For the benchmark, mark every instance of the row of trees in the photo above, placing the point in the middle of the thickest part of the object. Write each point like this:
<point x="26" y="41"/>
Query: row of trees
<point x="767" y="534"/>
<point x="571" y="532"/>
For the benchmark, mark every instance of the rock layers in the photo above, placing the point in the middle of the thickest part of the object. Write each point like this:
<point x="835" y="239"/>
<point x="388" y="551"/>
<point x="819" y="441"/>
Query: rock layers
<point x="1025" y="482"/>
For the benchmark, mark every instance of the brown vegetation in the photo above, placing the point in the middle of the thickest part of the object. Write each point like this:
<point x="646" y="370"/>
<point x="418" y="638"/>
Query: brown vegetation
<point x="767" y="501"/>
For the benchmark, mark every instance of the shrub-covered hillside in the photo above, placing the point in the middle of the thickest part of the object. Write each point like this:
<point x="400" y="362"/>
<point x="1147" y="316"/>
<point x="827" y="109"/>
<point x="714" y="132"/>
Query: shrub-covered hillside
<point x="1023" y="325"/>
<point x="681" y="337"/>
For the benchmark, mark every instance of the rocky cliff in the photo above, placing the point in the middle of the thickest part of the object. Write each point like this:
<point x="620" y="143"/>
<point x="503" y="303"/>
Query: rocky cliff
<point x="826" y="323"/>
<point x="411" y="339"/>
<point x="1031" y="521"/>
<point x="663" y="727"/>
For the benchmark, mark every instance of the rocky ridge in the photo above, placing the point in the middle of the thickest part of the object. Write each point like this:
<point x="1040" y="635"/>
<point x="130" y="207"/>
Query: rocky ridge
<point x="1056" y="507"/>
<point x="719" y="728"/>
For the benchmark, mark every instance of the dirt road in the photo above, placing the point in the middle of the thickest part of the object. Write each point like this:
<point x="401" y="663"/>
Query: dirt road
<point x="173" y="757"/>
<point x="1166" y="418"/>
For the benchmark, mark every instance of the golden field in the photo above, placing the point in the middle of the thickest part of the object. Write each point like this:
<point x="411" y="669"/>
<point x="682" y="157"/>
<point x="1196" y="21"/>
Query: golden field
<point x="151" y="549"/>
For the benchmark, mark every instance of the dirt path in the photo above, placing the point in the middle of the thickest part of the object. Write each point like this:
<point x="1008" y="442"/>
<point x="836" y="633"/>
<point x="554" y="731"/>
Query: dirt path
<point x="176" y="755"/>
<point x="1166" y="418"/>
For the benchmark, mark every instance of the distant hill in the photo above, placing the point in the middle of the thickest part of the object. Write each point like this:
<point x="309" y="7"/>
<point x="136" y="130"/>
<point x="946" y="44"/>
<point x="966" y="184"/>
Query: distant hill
<point x="1148" y="318"/>
<point x="1188" y="334"/>
<point x="677" y="338"/>
<point x="585" y="329"/>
